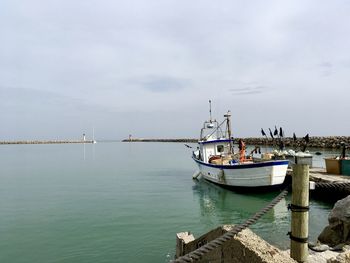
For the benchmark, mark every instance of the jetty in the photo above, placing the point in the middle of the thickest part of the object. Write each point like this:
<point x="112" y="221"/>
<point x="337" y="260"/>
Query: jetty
<point x="160" y="140"/>
<point x="328" y="186"/>
<point x="320" y="175"/>
<point x="47" y="142"/>
<point x="332" y="142"/>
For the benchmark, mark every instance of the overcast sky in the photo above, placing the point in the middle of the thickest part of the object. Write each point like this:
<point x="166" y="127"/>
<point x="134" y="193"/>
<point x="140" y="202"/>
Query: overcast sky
<point x="149" y="67"/>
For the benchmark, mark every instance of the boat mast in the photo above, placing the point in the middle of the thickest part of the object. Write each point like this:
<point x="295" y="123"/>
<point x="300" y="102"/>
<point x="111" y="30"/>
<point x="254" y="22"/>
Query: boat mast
<point x="210" y="111"/>
<point x="228" y="127"/>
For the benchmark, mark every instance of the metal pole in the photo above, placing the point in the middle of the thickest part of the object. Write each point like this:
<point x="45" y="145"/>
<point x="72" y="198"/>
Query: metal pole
<point x="300" y="215"/>
<point x="210" y="110"/>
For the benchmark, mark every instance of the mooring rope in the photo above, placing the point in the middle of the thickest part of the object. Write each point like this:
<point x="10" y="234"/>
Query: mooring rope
<point x="210" y="246"/>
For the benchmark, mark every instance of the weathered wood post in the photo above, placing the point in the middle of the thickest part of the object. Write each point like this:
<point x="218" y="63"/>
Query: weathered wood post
<point x="300" y="215"/>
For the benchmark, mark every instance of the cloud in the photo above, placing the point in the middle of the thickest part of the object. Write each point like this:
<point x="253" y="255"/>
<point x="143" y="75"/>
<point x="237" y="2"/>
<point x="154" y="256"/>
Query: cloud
<point x="345" y="63"/>
<point x="163" y="84"/>
<point x="249" y="90"/>
<point x="326" y="68"/>
<point x="86" y="60"/>
<point x="29" y="101"/>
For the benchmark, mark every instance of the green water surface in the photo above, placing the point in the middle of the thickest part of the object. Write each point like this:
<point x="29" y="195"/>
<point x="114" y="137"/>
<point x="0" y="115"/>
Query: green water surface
<point x="119" y="202"/>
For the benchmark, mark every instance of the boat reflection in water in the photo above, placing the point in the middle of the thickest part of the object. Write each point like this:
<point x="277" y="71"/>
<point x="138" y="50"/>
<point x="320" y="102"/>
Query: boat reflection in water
<point x="219" y="206"/>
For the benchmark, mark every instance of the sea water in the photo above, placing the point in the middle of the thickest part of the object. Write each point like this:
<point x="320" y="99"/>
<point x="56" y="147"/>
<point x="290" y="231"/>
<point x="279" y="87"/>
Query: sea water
<point x="120" y="202"/>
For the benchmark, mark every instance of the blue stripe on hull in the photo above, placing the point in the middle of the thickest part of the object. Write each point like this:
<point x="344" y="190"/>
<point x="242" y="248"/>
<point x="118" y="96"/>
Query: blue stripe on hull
<point x="215" y="141"/>
<point x="243" y="166"/>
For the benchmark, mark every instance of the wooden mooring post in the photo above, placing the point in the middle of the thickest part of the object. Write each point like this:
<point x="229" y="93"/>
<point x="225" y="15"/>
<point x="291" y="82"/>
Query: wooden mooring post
<point x="300" y="214"/>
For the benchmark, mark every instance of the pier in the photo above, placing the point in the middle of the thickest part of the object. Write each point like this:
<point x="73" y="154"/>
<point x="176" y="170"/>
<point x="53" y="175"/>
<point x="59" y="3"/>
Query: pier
<point x="160" y="140"/>
<point x="332" y="142"/>
<point x="319" y="175"/>
<point x="327" y="186"/>
<point x="46" y="142"/>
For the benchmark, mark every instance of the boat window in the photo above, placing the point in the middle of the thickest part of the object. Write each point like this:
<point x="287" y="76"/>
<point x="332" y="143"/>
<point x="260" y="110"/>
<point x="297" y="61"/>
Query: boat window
<point x="220" y="148"/>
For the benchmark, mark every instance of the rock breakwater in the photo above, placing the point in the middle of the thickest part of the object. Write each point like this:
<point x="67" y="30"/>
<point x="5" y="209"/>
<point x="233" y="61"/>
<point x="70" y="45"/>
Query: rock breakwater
<point x="315" y="141"/>
<point x="161" y="140"/>
<point x="46" y="142"/>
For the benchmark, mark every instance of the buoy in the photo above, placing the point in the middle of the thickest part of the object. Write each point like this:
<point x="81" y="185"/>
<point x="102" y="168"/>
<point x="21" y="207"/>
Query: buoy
<point x="196" y="174"/>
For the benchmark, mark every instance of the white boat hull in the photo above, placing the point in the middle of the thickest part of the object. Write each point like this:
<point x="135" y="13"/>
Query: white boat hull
<point x="263" y="174"/>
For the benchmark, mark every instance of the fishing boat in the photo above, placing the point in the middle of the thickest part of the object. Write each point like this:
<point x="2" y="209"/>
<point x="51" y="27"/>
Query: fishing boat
<point x="218" y="163"/>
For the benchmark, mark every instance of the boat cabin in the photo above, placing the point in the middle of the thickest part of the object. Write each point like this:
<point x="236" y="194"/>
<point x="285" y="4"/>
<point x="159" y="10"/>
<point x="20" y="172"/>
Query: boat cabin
<point x="219" y="147"/>
<point x="215" y="140"/>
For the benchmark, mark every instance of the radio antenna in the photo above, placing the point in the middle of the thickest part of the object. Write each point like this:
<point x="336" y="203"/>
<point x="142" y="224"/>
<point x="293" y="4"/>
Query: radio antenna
<point x="210" y="110"/>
